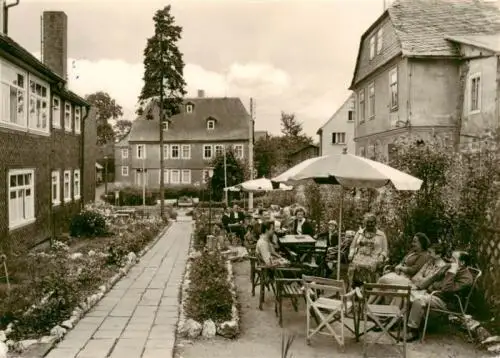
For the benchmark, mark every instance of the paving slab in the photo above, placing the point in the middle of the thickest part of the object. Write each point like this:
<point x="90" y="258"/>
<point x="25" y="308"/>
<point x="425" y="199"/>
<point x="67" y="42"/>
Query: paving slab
<point x="137" y="318"/>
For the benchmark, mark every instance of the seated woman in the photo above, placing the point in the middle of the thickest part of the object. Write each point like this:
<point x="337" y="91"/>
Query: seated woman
<point x="411" y="263"/>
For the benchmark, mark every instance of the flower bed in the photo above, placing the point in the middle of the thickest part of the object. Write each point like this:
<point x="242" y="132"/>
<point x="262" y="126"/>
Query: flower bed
<point x="52" y="289"/>
<point x="209" y="300"/>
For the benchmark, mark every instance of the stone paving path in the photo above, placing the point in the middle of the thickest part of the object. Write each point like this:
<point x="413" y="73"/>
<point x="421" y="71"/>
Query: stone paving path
<point x="137" y="318"/>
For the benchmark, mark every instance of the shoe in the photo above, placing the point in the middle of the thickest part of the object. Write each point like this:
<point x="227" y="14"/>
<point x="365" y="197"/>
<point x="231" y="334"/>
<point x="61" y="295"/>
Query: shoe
<point x="411" y="336"/>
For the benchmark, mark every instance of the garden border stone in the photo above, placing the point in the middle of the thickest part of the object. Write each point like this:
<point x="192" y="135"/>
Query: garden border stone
<point x="190" y="329"/>
<point x="39" y="348"/>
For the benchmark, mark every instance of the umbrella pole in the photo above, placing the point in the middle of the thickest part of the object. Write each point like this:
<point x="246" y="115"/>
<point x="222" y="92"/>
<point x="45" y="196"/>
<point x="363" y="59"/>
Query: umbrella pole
<point x="339" y="244"/>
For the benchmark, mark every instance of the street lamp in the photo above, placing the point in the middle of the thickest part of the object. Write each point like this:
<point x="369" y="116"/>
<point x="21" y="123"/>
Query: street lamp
<point x="210" y="175"/>
<point x="106" y="175"/>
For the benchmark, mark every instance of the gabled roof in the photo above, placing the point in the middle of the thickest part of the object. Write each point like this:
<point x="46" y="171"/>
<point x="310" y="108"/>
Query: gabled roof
<point x="307" y="146"/>
<point x="487" y="42"/>
<point x="422" y="26"/>
<point x="124" y="141"/>
<point x="350" y="98"/>
<point x="232" y="122"/>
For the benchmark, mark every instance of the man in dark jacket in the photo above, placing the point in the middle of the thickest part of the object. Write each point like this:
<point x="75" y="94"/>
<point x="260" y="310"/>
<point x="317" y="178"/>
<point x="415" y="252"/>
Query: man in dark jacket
<point x="302" y="226"/>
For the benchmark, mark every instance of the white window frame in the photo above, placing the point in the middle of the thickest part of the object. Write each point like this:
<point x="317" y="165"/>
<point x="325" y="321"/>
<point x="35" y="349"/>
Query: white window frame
<point x="186" y="172"/>
<point x="239" y="151"/>
<point x="371" y="100"/>
<point x="216" y="148"/>
<point x="361" y="110"/>
<point x="189" y="108"/>
<point x="78" y="120"/>
<point x="76" y="184"/>
<point x="143" y="152"/>
<point x="56" y="112"/>
<point x="124" y="153"/>
<point x="68" y="116"/>
<point x="39" y="105"/>
<point x="21" y="118"/>
<point x="380" y="40"/>
<point x="372" y="47"/>
<point x="26" y="213"/>
<point x="475" y="77"/>
<point x="340" y="138"/>
<point x="210" y="124"/>
<point x="67" y="195"/>
<point x="350" y="116"/>
<point x="188" y="155"/>
<point x="211" y="151"/>
<point x="143" y="174"/>
<point x="166" y="151"/>
<point x="172" y="172"/>
<point x="56" y="182"/>
<point x="166" y="176"/>
<point x="394" y="101"/>
<point x="165" y="125"/>
<point x="172" y="148"/>
<point x="125" y="171"/>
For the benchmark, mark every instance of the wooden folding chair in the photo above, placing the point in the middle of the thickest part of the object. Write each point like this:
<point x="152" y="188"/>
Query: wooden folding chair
<point x="386" y="316"/>
<point x="328" y="309"/>
<point x="315" y="261"/>
<point x="288" y="282"/>
<point x="463" y="305"/>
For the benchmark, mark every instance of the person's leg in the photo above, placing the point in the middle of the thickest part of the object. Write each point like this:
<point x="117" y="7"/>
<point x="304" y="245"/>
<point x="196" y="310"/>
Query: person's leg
<point x="418" y="311"/>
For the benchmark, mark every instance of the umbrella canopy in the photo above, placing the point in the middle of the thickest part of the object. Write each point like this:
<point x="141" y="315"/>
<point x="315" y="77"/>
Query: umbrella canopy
<point x="261" y="184"/>
<point x="349" y="170"/>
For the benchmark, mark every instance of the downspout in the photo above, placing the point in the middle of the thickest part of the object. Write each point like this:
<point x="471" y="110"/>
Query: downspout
<point x="82" y="158"/>
<point x="409" y="101"/>
<point x="463" y="69"/>
<point x="6" y="16"/>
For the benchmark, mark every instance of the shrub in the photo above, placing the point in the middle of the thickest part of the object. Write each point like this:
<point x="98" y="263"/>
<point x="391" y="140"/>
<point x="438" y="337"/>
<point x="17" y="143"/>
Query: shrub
<point x="88" y="224"/>
<point x="209" y="294"/>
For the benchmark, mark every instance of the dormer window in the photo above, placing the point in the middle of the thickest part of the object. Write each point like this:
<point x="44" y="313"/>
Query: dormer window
<point x="165" y="125"/>
<point x="210" y="124"/>
<point x="189" y="108"/>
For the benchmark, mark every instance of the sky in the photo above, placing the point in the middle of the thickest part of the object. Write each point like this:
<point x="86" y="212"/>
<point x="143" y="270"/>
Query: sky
<point x="296" y="56"/>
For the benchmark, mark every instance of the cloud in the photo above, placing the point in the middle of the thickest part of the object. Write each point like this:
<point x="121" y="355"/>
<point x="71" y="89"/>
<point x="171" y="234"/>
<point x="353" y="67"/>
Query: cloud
<point x="273" y="88"/>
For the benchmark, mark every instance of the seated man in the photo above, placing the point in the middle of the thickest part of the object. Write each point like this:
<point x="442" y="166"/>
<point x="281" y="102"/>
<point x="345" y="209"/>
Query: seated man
<point x="457" y="280"/>
<point x="330" y="237"/>
<point x="265" y="250"/>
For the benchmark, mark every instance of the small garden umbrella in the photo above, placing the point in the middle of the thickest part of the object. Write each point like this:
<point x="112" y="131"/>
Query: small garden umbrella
<point x="351" y="171"/>
<point x="261" y="184"/>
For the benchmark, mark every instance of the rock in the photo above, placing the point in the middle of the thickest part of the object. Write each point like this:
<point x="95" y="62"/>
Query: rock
<point x="58" y="331"/>
<point x="48" y="339"/>
<point x="3" y="336"/>
<point x="21" y="346"/>
<point x="76" y="256"/>
<point x="131" y="257"/>
<point x="209" y="330"/>
<point x="77" y="312"/>
<point x="492" y="339"/>
<point x="3" y="350"/>
<point x="494" y="349"/>
<point x="91" y="253"/>
<point x="191" y="329"/>
<point x="228" y="329"/>
<point x="67" y="324"/>
<point x="194" y="255"/>
<point x="103" y="288"/>
<point x="10" y="343"/>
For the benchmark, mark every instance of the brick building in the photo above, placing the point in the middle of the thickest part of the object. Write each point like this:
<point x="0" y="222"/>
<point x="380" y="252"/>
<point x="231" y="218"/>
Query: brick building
<point x="46" y="140"/>
<point x="192" y="139"/>
<point x="427" y="68"/>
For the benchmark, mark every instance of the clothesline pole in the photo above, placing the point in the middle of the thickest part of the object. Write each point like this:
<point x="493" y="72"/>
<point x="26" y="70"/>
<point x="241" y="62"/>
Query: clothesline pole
<point x="339" y="243"/>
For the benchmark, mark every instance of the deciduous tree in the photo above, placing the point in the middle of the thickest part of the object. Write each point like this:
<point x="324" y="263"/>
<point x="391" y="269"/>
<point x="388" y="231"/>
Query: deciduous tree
<point x="106" y="109"/>
<point x="235" y="173"/>
<point x="122" y="128"/>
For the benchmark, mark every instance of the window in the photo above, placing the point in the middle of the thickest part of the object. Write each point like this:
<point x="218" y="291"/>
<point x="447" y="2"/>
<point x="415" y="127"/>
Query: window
<point x="56" y="187"/>
<point x="186" y="151"/>
<point x="207" y="151"/>
<point x="380" y="41"/>
<point x="393" y="87"/>
<point x="67" y="186"/>
<point x="13" y="94"/>
<point x="141" y="178"/>
<point x="238" y="151"/>
<point x="175" y="176"/>
<point x="141" y="151"/>
<point x="67" y="117"/>
<point x="78" y="118"/>
<point x="174" y="151"/>
<point x="338" y="138"/>
<point x="21" y="198"/>
<point x="189" y="108"/>
<point x="76" y="184"/>
<point x="350" y="116"/>
<point x="56" y="112"/>
<point x="210" y="124"/>
<point x="361" y="106"/>
<point x="371" y="100"/>
<point x="219" y="149"/>
<point x="372" y="47"/>
<point x="39" y="105"/>
<point x="124" y="171"/>
<point x="165" y="125"/>
<point x="475" y="93"/>
<point x="165" y="151"/>
<point x="166" y="178"/>
<point x="124" y="153"/>
<point x="186" y="176"/>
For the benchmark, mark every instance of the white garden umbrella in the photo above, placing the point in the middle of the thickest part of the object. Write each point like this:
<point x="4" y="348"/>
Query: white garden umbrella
<point x="351" y="171"/>
<point x="257" y="185"/>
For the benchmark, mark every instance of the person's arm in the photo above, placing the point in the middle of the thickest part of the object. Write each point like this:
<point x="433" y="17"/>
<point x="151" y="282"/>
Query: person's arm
<point x="455" y="281"/>
<point x="354" y="246"/>
<point x="383" y="253"/>
<point x="264" y="253"/>
<point x="429" y="281"/>
<point x="411" y="270"/>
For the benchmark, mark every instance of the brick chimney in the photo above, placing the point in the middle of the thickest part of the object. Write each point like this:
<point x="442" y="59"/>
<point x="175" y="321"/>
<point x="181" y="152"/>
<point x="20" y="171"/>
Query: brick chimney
<point x="201" y="93"/>
<point x="55" y="41"/>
